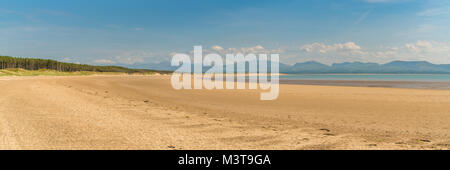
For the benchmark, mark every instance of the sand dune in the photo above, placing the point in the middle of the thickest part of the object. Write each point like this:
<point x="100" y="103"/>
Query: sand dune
<point x="144" y="112"/>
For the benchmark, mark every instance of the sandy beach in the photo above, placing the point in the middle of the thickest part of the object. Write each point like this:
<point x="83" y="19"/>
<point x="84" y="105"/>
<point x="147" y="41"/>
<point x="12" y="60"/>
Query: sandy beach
<point x="144" y="112"/>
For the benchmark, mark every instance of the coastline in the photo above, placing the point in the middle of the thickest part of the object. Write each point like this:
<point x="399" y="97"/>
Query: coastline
<point x="373" y="83"/>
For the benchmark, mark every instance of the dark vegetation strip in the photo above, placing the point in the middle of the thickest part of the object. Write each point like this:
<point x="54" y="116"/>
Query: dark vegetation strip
<point x="7" y="62"/>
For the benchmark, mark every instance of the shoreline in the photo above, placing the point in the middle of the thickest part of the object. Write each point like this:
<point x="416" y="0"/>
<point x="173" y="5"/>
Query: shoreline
<point x="340" y="83"/>
<point x="373" y="83"/>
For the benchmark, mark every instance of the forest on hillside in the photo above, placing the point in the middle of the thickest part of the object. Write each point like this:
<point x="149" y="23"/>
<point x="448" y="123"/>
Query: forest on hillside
<point x="37" y="64"/>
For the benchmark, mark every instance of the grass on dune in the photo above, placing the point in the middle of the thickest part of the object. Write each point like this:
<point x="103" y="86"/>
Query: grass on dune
<point x="47" y="72"/>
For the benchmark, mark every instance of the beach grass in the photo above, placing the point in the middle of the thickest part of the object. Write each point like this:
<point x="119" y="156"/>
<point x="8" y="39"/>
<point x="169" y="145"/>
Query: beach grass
<point x="47" y="72"/>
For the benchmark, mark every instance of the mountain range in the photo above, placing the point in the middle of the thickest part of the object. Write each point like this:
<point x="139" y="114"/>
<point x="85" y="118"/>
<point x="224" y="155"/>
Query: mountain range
<point x="313" y="67"/>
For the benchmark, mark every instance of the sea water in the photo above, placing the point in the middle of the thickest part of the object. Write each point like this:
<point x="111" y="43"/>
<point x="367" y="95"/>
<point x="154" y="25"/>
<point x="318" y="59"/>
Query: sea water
<point x="370" y="77"/>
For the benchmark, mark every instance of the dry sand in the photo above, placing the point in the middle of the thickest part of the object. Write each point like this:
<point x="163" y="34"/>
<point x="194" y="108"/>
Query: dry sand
<point x="144" y="112"/>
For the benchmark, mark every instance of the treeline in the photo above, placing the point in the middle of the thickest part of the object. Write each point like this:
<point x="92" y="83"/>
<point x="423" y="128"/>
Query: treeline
<point x="37" y="64"/>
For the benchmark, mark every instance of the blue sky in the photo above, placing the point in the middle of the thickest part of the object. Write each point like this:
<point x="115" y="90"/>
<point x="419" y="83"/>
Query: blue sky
<point x="129" y="32"/>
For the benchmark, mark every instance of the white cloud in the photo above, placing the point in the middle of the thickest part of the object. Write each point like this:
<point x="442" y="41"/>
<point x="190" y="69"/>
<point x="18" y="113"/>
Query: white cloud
<point x="258" y="49"/>
<point x="426" y="28"/>
<point x="172" y="54"/>
<point x="428" y="47"/>
<point x="69" y="60"/>
<point x="126" y="57"/>
<point x="323" y="48"/>
<point x="255" y="49"/>
<point x="129" y="60"/>
<point x="422" y="50"/>
<point x="104" y="61"/>
<point x="217" y="48"/>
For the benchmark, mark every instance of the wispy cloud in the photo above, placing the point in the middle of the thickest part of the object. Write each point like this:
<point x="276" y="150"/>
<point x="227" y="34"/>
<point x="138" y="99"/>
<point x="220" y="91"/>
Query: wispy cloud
<point x="35" y="15"/>
<point x="257" y="49"/>
<point x="363" y="17"/>
<point x="6" y="11"/>
<point x="126" y="57"/>
<point x="104" y="61"/>
<point x="435" y="11"/>
<point x="53" y="12"/>
<point x="382" y="1"/>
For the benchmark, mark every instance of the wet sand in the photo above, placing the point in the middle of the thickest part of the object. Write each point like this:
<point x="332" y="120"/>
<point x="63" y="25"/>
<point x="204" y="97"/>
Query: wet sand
<point x="144" y="112"/>
<point x="373" y="83"/>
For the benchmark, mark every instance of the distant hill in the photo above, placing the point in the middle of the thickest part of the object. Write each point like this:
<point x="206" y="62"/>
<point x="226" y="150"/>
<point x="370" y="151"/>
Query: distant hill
<point x="394" y="67"/>
<point x="312" y="67"/>
<point x="309" y="67"/>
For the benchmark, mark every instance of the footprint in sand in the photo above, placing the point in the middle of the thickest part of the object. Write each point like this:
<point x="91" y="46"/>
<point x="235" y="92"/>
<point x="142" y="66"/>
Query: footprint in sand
<point x="329" y="134"/>
<point x="323" y="129"/>
<point x="425" y="140"/>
